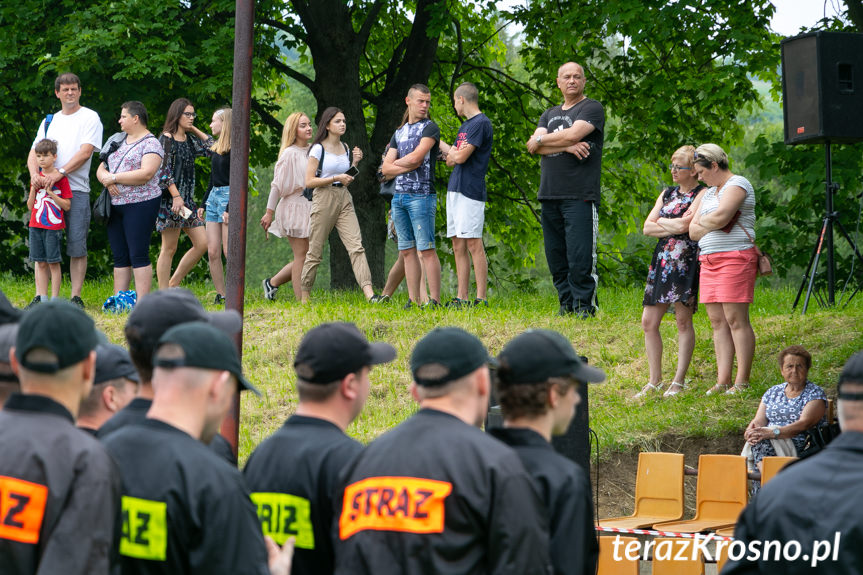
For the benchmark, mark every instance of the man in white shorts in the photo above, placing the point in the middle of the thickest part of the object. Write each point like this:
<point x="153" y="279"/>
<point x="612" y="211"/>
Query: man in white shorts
<point x="466" y="195"/>
<point x="78" y="133"/>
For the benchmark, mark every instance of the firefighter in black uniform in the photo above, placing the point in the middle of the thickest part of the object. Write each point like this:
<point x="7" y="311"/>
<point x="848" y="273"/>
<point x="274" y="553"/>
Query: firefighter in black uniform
<point x="113" y="387"/>
<point x="536" y="383"/>
<point x="816" y="502"/>
<point x="59" y="489"/>
<point x="184" y="509"/>
<point x="151" y="318"/>
<point x="436" y="494"/>
<point x="293" y="474"/>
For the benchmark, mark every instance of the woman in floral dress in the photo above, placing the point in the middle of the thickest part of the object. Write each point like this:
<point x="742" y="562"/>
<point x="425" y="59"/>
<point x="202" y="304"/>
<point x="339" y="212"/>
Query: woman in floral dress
<point x="673" y="274"/>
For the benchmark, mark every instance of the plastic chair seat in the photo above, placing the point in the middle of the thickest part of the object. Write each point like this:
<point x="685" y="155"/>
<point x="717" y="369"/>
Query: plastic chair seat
<point x="658" y="492"/>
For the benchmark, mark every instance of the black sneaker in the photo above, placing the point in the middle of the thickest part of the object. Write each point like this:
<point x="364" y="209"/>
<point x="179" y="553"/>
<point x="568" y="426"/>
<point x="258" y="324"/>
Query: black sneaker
<point x="379" y="298"/>
<point x="585" y="312"/>
<point x="36" y="301"/>
<point x="457" y="303"/>
<point x="431" y="304"/>
<point x="269" y="290"/>
<point x="77" y="301"/>
<point x="480" y="302"/>
<point x="409" y="305"/>
<point x="220" y="299"/>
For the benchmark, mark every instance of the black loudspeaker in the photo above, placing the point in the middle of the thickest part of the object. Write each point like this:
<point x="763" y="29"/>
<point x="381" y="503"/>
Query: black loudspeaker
<point x="822" y="87"/>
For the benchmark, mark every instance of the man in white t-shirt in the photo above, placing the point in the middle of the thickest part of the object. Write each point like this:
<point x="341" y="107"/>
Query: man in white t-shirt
<point x="78" y="133"/>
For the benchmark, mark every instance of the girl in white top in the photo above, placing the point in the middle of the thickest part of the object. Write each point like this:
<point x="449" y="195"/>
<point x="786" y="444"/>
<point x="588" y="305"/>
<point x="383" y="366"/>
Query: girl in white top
<point x="288" y="212"/>
<point x="332" y="205"/>
<point x="728" y="264"/>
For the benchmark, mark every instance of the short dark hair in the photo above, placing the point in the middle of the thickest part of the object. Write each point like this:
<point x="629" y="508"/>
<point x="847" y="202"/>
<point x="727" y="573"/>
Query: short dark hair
<point x="317" y="392"/>
<point x="141" y="351"/>
<point x="46" y="146"/>
<point x="529" y="399"/>
<point x="796" y="350"/>
<point x="136" y="108"/>
<point x="468" y="91"/>
<point x="67" y="78"/>
<point x="421" y="88"/>
<point x="90" y="405"/>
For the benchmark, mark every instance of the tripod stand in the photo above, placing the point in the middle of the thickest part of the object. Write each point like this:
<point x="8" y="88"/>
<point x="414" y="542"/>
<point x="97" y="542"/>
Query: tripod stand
<point x="825" y="239"/>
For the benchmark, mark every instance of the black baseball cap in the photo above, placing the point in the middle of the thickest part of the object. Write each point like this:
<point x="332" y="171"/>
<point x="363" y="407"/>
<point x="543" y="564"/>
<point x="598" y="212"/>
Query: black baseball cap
<point x="538" y="354"/>
<point x="59" y="327"/>
<point x="203" y="347"/>
<point x="331" y="351"/>
<point x="8" y="312"/>
<point x="455" y="350"/>
<point x="113" y="362"/>
<point x="852" y="372"/>
<point x="161" y="310"/>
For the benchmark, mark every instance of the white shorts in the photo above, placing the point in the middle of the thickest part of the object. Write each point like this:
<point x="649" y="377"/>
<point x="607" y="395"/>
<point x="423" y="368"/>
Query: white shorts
<point x="464" y="217"/>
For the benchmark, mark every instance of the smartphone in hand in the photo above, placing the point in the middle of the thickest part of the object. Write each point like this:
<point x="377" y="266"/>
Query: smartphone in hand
<point x="185" y="213"/>
<point x="353" y="172"/>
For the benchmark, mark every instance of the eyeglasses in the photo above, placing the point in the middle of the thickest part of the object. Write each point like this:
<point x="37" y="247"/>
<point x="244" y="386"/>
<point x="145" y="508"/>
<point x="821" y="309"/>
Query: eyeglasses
<point x="675" y="167"/>
<point x="192" y="115"/>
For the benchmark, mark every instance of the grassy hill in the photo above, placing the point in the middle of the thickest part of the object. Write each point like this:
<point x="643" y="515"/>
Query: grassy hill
<point x="612" y="341"/>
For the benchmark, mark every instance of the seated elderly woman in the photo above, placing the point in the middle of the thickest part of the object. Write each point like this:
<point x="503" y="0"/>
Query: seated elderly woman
<point x="787" y="410"/>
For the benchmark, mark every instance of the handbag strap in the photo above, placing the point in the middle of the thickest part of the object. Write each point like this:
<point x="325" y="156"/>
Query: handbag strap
<point x="757" y="251"/>
<point x="132" y="147"/>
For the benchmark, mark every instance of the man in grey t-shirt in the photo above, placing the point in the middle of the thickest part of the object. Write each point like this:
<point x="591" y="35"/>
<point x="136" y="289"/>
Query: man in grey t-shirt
<point x="569" y="138"/>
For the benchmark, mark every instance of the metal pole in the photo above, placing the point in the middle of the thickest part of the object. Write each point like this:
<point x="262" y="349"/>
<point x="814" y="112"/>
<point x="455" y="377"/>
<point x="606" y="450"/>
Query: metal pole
<point x="240" y="126"/>
<point x="831" y="300"/>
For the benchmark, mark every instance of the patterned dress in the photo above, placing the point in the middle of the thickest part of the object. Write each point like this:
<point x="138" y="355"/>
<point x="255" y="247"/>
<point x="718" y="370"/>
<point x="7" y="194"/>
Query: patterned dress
<point x="180" y="171"/>
<point x="783" y="411"/>
<point x="673" y="273"/>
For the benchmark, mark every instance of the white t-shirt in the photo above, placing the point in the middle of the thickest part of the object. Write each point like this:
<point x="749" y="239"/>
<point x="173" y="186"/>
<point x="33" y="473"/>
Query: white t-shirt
<point x="718" y="241"/>
<point x="333" y="164"/>
<point x="71" y="131"/>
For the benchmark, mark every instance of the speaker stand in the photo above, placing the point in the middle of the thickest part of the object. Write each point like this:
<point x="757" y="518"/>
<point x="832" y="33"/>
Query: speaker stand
<point x="825" y="240"/>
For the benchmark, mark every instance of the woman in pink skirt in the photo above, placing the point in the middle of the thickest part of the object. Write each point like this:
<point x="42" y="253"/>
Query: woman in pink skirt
<point x="287" y="214"/>
<point x="724" y="227"/>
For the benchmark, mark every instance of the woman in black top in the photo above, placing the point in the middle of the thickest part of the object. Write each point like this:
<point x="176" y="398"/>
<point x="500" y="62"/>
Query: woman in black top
<point x="216" y="200"/>
<point x="183" y="142"/>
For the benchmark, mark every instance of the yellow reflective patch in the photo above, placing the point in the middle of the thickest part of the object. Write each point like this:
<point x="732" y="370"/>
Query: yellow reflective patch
<point x="145" y="529"/>
<point x="282" y="516"/>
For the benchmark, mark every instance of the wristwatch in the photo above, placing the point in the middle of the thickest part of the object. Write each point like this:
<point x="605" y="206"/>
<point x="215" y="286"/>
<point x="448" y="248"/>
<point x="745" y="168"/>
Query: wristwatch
<point x="775" y="432"/>
<point x="62" y="171"/>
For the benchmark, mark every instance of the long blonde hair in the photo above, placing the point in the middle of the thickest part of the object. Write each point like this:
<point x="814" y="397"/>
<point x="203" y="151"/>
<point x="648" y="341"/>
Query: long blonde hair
<point x="223" y="144"/>
<point x="289" y="132"/>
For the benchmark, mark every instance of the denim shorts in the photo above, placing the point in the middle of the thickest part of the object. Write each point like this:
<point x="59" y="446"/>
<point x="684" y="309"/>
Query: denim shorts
<point x="414" y="218"/>
<point x="217" y="203"/>
<point x="45" y="245"/>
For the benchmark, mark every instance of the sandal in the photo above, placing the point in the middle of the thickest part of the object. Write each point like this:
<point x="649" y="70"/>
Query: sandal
<point x="648" y="388"/>
<point x="737" y="388"/>
<point x="718" y="388"/>
<point x="673" y="389"/>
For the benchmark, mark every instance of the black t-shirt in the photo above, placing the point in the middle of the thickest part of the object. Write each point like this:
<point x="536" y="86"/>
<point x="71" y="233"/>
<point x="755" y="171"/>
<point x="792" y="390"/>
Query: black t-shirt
<point x="184" y="510"/>
<point x="293" y="477"/>
<point x="468" y="178"/>
<point x="436" y="495"/>
<point x="565" y="490"/>
<point x="563" y="176"/>
<point x="136" y="412"/>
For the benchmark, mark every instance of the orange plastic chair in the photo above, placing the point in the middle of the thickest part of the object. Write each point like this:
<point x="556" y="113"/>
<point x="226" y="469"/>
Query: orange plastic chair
<point x="726" y="531"/>
<point x="770" y="466"/>
<point x="666" y="561"/>
<point x="658" y="492"/>
<point x="722" y="556"/>
<point x="720" y="495"/>
<point x="607" y="564"/>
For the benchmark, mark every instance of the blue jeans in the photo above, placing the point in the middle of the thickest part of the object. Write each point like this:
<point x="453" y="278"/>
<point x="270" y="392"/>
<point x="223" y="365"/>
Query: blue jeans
<point x="45" y="245"/>
<point x="569" y="229"/>
<point x="414" y="219"/>
<point x="217" y="203"/>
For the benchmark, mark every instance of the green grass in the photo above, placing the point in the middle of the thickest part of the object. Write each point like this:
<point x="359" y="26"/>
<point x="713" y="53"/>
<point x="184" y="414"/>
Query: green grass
<point x="612" y="341"/>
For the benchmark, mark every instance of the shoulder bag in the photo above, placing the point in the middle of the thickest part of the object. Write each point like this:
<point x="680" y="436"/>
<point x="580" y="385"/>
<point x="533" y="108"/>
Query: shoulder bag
<point x="765" y="265"/>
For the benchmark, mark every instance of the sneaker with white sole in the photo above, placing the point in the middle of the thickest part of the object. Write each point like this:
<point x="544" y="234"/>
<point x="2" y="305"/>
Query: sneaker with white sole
<point x="269" y="290"/>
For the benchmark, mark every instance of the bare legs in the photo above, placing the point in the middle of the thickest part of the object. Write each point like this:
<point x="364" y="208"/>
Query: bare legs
<point x="217" y="242"/>
<point x="465" y="250"/>
<point x="300" y="247"/>
<point x="170" y="237"/>
<point x="44" y="272"/>
<point x="143" y="279"/>
<point x="732" y="336"/>
<point x="413" y="272"/>
<point x="77" y="271"/>
<point x="651" y="317"/>
<point x="397" y="274"/>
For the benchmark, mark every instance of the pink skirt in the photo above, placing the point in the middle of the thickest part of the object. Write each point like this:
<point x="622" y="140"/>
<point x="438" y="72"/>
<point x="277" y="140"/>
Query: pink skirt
<point x="728" y="277"/>
<point x="292" y="217"/>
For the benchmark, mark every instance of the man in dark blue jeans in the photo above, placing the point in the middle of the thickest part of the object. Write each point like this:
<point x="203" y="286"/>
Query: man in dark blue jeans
<point x="569" y="138"/>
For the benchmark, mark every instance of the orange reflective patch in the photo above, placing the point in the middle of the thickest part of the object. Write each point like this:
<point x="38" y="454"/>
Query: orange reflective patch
<point x="406" y="504"/>
<point x="22" y="507"/>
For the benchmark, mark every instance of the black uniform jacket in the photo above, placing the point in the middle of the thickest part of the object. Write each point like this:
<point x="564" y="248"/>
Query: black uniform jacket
<point x="565" y="490"/>
<point x="819" y="498"/>
<point x="136" y="412"/>
<point x="184" y="510"/>
<point x="59" y="492"/>
<point x="293" y="476"/>
<point x="436" y="495"/>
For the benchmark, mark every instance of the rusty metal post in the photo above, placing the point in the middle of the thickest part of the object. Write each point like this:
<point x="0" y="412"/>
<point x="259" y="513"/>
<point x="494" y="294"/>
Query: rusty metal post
<point x="244" y="37"/>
